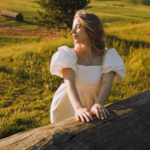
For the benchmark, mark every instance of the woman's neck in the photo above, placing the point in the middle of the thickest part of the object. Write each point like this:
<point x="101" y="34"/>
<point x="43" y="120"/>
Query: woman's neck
<point x="86" y="50"/>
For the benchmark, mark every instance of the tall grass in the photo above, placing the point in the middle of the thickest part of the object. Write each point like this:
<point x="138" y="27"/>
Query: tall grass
<point x="139" y="33"/>
<point x="26" y="85"/>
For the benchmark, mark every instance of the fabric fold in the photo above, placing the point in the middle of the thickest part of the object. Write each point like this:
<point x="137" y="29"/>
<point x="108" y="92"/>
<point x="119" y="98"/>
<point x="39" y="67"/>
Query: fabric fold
<point x="113" y="62"/>
<point x="63" y="58"/>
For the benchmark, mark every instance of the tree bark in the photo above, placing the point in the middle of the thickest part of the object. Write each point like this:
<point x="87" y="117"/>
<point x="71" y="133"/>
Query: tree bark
<point x="127" y="128"/>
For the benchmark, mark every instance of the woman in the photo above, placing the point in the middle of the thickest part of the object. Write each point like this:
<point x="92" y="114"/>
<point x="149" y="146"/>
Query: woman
<point x="88" y="71"/>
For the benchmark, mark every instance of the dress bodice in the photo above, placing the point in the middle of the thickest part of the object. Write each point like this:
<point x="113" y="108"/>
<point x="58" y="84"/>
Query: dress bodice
<point x="88" y="77"/>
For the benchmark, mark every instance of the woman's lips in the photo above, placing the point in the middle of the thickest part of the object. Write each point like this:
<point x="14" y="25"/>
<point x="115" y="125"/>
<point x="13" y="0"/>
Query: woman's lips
<point x="74" y="36"/>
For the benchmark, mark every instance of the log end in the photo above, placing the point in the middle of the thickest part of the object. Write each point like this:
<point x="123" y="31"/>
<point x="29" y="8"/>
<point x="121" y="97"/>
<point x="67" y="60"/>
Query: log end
<point x="19" y="17"/>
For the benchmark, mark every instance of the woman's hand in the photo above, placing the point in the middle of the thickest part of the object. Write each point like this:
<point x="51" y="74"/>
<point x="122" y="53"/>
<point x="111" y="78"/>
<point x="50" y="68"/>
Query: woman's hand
<point x="100" y="111"/>
<point x="83" y="114"/>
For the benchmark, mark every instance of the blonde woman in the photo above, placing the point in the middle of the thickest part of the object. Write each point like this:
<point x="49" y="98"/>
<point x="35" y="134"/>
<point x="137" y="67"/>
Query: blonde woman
<point x="88" y="71"/>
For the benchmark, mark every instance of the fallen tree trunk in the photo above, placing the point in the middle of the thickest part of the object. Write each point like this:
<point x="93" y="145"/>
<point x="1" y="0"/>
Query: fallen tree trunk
<point x="127" y="128"/>
<point x="15" y="15"/>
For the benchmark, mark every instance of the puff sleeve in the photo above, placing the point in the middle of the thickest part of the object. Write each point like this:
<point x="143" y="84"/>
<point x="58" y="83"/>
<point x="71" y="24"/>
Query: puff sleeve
<point x="63" y="58"/>
<point x="113" y="62"/>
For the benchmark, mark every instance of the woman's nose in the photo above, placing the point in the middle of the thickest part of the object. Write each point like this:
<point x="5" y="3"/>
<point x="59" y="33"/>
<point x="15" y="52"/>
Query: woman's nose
<point x="73" y="31"/>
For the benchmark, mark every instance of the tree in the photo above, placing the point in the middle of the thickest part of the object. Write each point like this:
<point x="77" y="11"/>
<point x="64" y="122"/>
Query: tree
<point x="59" y="13"/>
<point x="146" y="2"/>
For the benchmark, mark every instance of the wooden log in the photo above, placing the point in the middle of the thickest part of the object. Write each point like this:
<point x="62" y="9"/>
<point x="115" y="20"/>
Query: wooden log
<point x="15" y="15"/>
<point x="127" y="128"/>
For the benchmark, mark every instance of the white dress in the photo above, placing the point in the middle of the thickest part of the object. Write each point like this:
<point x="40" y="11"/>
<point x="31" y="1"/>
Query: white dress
<point x="87" y="80"/>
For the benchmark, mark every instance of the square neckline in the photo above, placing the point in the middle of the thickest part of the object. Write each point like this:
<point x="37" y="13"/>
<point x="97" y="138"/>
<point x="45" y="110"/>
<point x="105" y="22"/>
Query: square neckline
<point x="89" y="66"/>
<point x="83" y="65"/>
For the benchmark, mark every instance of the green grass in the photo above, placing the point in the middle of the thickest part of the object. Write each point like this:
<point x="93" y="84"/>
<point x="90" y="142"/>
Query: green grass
<point x="140" y="12"/>
<point x="26" y="85"/>
<point x="132" y="32"/>
<point x="4" y="41"/>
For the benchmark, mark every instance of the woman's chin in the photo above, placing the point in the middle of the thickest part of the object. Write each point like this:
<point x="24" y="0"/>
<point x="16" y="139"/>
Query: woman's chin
<point x="76" y="41"/>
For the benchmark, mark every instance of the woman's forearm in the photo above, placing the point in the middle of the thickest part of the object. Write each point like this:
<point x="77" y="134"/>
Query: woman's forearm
<point x="107" y="80"/>
<point x="104" y="94"/>
<point x="73" y="95"/>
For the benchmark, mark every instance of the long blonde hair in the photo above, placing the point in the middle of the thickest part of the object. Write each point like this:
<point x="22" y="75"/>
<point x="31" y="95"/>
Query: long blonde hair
<point x="94" y="29"/>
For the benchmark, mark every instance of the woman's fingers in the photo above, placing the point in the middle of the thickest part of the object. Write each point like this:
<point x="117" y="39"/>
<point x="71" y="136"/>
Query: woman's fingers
<point x="97" y="113"/>
<point x="86" y="117"/>
<point x="100" y="112"/>
<point x="92" y="113"/>
<point x="82" y="118"/>
<point x="77" y="117"/>
<point x="107" y="111"/>
<point x="104" y="113"/>
<point x="89" y="115"/>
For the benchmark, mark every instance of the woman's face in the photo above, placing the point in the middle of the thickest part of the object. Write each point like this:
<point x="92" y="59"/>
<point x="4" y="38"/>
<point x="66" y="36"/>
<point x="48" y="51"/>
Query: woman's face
<point x="79" y="33"/>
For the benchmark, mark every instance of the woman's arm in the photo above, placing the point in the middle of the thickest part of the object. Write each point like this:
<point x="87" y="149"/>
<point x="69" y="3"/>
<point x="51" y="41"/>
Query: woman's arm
<point x="98" y="108"/>
<point x="81" y="112"/>
<point x="107" y="80"/>
<point x="69" y="79"/>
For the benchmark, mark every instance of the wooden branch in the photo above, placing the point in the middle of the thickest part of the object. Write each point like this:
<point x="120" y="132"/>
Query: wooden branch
<point x="15" y="15"/>
<point x="127" y="128"/>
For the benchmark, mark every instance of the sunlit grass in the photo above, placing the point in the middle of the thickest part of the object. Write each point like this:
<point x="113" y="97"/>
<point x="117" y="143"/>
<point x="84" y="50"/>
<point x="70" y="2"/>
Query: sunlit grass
<point x="129" y="10"/>
<point x="131" y="32"/>
<point x="30" y="44"/>
<point x="26" y="84"/>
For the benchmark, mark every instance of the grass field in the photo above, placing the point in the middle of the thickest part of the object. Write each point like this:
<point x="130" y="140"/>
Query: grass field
<point x="26" y="86"/>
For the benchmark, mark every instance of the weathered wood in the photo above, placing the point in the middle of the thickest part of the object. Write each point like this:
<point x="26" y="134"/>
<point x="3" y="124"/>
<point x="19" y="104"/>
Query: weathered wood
<point x="127" y="128"/>
<point x="17" y="16"/>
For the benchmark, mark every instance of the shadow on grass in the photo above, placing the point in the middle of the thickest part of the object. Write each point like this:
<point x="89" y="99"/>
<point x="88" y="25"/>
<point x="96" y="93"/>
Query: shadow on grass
<point x="31" y="23"/>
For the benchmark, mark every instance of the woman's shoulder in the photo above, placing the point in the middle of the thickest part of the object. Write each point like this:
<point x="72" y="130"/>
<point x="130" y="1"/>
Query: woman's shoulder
<point x="113" y="62"/>
<point x="64" y="58"/>
<point x="111" y="53"/>
<point x="112" y="57"/>
<point x="111" y="50"/>
<point x="66" y="50"/>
